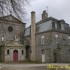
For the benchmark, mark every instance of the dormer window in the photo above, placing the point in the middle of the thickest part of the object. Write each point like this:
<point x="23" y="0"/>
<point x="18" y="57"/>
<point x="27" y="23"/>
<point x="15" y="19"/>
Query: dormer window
<point x="62" y="26"/>
<point x="59" y="26"/>
<point x="54" y="25"/>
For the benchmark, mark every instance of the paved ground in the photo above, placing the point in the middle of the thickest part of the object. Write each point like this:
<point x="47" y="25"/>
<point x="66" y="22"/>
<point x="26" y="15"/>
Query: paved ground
<point x="52" y="66"/>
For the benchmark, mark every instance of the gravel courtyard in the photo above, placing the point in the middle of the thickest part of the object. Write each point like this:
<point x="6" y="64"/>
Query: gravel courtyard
<point x="14" y="66"/>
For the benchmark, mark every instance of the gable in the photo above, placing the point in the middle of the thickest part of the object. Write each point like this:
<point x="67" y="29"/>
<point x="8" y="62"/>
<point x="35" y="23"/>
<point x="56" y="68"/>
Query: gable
<point x="11" y="19"/>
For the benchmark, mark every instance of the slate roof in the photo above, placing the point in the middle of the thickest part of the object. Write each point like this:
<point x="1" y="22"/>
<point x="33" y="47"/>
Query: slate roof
<point x="44" y="26"/>
<point x="27" y="31"/>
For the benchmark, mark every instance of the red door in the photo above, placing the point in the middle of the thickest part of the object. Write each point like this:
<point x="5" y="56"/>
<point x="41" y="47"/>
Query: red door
<point x="15" y="55"/>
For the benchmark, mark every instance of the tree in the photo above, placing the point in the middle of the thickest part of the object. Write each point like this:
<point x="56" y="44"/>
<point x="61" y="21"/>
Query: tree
<point x="16" y="7"/>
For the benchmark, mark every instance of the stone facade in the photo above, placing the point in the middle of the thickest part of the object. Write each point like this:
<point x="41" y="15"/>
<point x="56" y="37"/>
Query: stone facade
<point x="11" y="34"/>
<point x="54" y="52"/>
<point x="45" y="41"/>
<point x="52" y="40"/>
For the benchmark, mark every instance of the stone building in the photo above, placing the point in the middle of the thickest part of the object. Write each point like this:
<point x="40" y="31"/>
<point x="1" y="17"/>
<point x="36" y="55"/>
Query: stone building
<point x="52" y="40"/>
<point x="11" y="34"/>
<point x="45" y="41"/>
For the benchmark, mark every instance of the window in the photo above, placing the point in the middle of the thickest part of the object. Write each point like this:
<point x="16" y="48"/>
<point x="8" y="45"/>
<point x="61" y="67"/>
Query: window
<point x="62" y="26"/>
<point x="55" y="25"/>
<point x="22" y="51"/>
<point x="42" y="40"/>
<point x="16" y="38"/>
<point x="59" y="25"/>
<point x="56" y="38"/>
<point x="56" y="35"/>
<point x="42" y="51"/>
<point x="8" y="52"/>
<point x="68" y="37"/>
<point x="37" y="29"/>
<point x="2" y="37"/>
<point x="10" y="28"/>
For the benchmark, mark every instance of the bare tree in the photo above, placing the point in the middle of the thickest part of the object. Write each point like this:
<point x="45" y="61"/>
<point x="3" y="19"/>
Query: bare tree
<point x="13" y="6"/>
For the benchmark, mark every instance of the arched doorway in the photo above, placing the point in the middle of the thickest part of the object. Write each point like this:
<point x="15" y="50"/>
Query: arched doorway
<point x="15" y="55"/>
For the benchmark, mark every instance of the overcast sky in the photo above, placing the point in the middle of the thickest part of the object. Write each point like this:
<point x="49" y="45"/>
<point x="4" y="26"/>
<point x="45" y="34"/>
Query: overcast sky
<point x="59" y="9"/>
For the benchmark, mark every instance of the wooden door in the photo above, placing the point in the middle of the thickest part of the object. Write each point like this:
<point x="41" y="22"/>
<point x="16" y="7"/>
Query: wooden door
<point x="15" y="55"/>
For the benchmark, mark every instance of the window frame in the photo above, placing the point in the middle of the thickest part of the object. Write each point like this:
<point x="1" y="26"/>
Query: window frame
<point x="8" y="52"/>
<point x="42" y="39"/>
<point x="22" y="52"/>
<point x="56" y="38"/>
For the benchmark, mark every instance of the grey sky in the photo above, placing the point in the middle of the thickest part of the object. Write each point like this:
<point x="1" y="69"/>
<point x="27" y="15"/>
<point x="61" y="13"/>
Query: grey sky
<point x="59" y="9"/>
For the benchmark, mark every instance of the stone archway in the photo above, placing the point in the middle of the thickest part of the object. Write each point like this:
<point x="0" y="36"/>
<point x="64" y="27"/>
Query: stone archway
<point x="15" y="55"/>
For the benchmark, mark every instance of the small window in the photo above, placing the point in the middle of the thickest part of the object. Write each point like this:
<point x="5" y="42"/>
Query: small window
<point x="42" y="51"/>
<point x="37" y="29"/>
<point x="42" y="40"/>
<point x="2" y="37"/>
<point x="56" y="35"/>
<point x="16" y="38"/>
<point x="68" y="37"/>
<point x="59" y="25"/>
<point x="22" y="51"/>
<point x="62" y="26"/>
<point x="55" y="25"/>
<point x="56" y="38"/>
<point x="8" y="52"/>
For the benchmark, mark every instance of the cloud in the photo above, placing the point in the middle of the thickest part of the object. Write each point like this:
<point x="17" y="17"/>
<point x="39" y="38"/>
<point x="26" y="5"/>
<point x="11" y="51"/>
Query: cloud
<point x="59" y="9"/>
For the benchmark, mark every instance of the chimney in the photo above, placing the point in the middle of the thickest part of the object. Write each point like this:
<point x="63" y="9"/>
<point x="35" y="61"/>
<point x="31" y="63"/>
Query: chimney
<point x="44" y="15"/>
<point x="33" y="21"/>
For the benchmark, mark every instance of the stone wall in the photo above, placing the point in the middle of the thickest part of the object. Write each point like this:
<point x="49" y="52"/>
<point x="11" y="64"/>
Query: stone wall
<point x="18" y="29"/>
<point x="9" y="57"/>
<point x="62" y="48"/>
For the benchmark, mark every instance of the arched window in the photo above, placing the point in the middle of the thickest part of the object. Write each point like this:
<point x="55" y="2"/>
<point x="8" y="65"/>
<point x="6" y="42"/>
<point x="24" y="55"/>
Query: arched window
<point x="7" y="52"/>
<point x="22" y="51"/>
